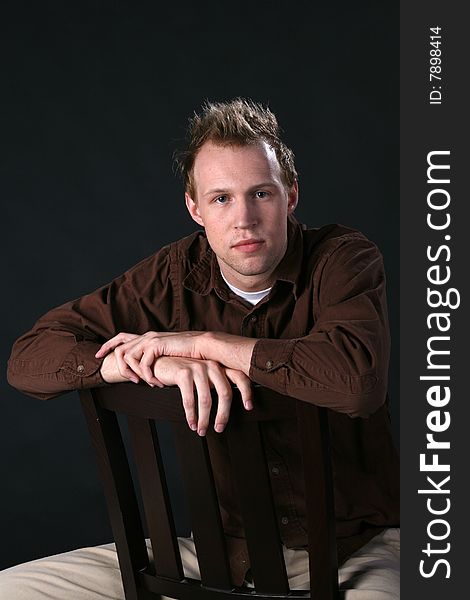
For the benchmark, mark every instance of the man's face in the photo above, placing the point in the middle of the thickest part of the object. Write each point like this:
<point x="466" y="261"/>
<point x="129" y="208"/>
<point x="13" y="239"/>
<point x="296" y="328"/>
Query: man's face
<point x="242" y="202"/>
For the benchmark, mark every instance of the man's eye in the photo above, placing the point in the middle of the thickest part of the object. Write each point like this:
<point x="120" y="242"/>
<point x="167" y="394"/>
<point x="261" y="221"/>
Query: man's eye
<point x="261" y="194"/>
<point x="221" y="199"/>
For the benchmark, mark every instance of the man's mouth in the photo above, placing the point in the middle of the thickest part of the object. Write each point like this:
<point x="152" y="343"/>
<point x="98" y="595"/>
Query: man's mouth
<point x="248" y="245"/>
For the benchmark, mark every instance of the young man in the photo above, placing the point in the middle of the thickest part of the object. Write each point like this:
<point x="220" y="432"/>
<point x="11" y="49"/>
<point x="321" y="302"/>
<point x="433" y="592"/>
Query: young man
<point x="254" y="297"/>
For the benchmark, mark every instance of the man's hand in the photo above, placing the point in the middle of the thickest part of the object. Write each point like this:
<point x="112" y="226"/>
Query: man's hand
<point x="192" y="375"/>
<point x="181" y="359"/>
<point x="129" y="356"/>
<point x="139" y="353"/>
<point x="114" y="369"/>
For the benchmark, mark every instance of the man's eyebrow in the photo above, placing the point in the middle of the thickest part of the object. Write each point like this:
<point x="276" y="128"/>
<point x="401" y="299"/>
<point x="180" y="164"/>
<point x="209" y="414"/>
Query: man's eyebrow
<point x="215" y="191"/>
<point x="262" y="185"/>
<point x="250" y="189"/>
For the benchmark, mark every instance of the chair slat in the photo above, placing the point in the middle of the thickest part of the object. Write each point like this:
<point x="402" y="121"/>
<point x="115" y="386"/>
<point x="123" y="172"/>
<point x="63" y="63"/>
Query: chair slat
<point x="119" y="491"/>
<point x="257" y="508"/>
<point x="204" y="509"/>
<point x="156" y="498"/>
<point x="314" y="438"/>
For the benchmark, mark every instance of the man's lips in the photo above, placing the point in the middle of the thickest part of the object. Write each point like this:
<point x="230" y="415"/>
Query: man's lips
<point x="249" y="245"/>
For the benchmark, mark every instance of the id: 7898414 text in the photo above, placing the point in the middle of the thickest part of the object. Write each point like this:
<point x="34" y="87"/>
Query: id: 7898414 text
<point x="435" y="65"/>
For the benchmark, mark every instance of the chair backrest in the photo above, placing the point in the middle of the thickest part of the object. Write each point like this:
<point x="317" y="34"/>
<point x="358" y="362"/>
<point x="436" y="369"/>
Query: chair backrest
<point x="142" y="407"/>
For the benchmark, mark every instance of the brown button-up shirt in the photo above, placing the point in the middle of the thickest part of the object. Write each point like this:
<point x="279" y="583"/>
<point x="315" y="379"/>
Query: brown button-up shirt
<point x="322" y="337"/>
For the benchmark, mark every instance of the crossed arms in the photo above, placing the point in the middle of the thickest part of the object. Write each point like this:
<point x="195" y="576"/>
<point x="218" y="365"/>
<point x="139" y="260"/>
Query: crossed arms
<point x="336" y="357"/>
<point x="194" y="361"/>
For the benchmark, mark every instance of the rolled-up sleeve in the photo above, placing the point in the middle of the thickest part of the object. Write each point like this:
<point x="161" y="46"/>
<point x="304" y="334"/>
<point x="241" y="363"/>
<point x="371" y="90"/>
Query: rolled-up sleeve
<point x="343" y="361"/>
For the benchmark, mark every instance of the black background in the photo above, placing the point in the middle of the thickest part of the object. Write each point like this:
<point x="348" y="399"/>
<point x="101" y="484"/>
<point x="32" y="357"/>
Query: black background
<point x="95" y="97"/>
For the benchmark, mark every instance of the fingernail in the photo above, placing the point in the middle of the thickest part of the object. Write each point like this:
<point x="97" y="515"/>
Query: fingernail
<point x="193" y="426"/>
<point x="151" y="385"/>
<point x="248" y="405"/>
<point x="202" y="432"/>
<point x="219" y="427"/>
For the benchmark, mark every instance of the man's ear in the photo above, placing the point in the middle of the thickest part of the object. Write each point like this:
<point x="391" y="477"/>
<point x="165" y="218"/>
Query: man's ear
<point x="293" y="197"/>
<point x="193" y="209"/>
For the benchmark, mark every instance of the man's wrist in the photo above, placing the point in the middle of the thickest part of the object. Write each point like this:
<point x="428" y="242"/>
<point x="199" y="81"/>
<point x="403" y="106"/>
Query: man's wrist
<point x="230" y="350"/>
<point x="109" y="371"/>
<point x="203" y="345"/>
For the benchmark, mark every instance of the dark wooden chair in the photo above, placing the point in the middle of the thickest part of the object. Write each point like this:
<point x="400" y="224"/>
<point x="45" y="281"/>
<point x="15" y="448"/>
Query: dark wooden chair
<point x="143" y="581"/>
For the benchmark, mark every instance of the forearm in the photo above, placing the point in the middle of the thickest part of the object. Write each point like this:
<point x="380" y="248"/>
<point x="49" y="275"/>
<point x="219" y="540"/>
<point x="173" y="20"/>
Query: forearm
<point x="342" y="362"/>
<point x="58" y="354"/>
<point x="231" y="351"/>
<point x="50" y="365"/>
<point x="331" y="369"/>
<point x="318" y="368"/>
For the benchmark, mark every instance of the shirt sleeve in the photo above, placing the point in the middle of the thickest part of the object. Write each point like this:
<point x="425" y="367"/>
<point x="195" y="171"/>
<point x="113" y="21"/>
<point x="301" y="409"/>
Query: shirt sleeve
<point x="342" y="363"/>
<point x="58" y="354"/>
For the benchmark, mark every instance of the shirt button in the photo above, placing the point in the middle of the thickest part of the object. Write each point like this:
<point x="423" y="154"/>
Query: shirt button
<point x="275" y="471"/>
<point x="284" y="520"/>
<point x="269" y="364"/>
<point x="80" y="368"/>
<point x="253" y="318"/>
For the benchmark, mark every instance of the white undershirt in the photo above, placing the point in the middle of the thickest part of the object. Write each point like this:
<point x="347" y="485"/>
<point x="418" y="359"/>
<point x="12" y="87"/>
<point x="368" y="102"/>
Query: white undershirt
<point x="251" y="297"/>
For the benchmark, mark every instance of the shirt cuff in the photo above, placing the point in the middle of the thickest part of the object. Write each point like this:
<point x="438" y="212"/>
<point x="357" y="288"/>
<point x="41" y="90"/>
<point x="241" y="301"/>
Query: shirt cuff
<point x="268" y="357"/>
<point x="81" y="364"/>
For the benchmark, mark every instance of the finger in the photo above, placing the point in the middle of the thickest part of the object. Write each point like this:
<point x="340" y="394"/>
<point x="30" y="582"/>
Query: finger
<point x="243" y="383"/>
<point x="224" y="394"/>
<point x="204" y="400"/>
<point x="133" y="361"/>
<point x="124" y="368"/>
<point x="113" y="343"/>
<point x="158" y="379"/>
<point x="141" y="359"/>
<point x="109" y="346"/>
<point x="147" y="363"/>
<point x="186" y="386"/>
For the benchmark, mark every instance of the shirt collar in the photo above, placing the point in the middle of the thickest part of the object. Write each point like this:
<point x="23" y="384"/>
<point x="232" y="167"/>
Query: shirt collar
<point x="205" y="274"/>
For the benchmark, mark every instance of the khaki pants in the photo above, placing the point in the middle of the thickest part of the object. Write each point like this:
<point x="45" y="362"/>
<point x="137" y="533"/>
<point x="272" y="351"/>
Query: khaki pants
<point x="372" y="573"/>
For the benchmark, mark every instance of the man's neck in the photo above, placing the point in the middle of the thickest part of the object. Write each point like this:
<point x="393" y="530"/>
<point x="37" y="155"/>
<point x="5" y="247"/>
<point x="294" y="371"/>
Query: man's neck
<point x="251" y="297"/>
<point x="247" y="283"/>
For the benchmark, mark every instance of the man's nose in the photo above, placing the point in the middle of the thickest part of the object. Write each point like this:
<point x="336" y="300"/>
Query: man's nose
<point x="246" y="214"/>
